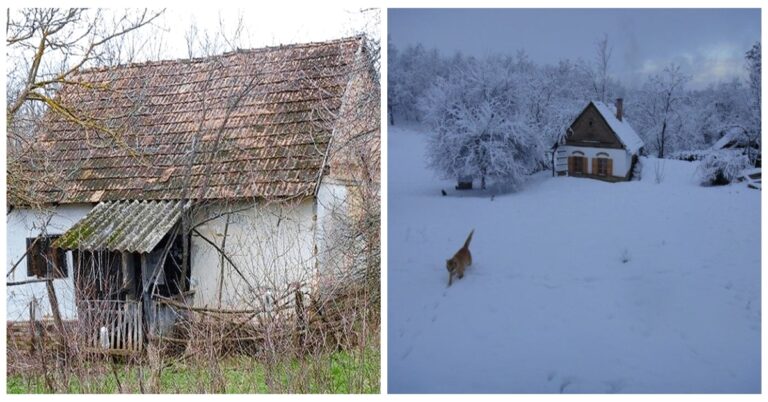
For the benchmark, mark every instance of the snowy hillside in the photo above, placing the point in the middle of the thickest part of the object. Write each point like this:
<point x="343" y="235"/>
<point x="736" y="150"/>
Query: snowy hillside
<point x="577" y="285"/>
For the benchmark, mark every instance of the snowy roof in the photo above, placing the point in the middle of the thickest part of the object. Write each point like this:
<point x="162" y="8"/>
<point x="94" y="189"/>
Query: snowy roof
<point x="623" y="130"/>
<point x="723" y="141"/>
<point x="733" y="138"/>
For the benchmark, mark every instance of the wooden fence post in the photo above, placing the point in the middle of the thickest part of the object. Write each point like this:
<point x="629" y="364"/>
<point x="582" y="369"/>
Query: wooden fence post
<point x="54" y="301"/>
<point x="301" y="318"/>
<point x="32" y="330"/>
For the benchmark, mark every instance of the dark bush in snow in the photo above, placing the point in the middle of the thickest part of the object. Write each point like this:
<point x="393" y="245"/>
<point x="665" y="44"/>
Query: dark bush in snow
<point x="690" y="156"/>
<point x="719" y="168"/>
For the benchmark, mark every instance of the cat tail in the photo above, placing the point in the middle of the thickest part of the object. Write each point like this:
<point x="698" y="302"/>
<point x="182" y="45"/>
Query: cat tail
<point x="469" y="238"/>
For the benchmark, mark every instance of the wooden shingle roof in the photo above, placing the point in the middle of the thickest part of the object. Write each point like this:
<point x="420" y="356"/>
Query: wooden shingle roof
<point x="250" y="123"/>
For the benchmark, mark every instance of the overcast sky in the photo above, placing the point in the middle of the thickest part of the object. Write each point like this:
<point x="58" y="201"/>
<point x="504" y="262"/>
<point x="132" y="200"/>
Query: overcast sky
<point x="269" y="27"/>
<point x="165" y="38"/>
<point x="708" y="43"/>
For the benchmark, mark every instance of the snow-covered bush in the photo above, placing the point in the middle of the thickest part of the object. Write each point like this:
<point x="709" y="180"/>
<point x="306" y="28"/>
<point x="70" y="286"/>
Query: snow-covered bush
<point x="477" y="128"/>
<point x="721" y="167"/>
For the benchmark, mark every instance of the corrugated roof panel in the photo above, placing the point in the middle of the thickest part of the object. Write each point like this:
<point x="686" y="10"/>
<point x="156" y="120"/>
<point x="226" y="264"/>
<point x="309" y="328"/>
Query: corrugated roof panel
<point x="133" y="226"/>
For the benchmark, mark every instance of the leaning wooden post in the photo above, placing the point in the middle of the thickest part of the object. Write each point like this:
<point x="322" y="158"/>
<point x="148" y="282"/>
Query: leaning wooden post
<point x="32" y="330"/>
<point x="54" y="301"/>
<point x="301" y="320"/>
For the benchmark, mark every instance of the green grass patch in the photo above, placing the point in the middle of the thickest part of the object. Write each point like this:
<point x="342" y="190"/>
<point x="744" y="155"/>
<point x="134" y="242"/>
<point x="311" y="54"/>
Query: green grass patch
<point x="339" y="372"/>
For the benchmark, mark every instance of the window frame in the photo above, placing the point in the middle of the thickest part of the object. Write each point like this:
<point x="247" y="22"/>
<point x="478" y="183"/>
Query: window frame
<point x="602" y="166"/>
<point x="44" y="261"/>
<point x="578" y="164"/>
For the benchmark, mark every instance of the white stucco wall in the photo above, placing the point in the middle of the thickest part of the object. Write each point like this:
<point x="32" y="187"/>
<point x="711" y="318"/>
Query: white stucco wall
<point x="332" y="218"/>
<point x="622" y="160"/>
<point x="271" y="244"/>
<point x="26" y="223"/>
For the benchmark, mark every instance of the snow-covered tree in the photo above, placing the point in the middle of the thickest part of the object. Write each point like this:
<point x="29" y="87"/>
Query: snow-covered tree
<point x="412" y="71"/>
<point x="754" y="64"/>
<point x="394" y="79"/>
<point x="478" y="128"/>
<point x="552" y="97"/>
<point x="548" y="97"/>
<point x="659" y="110"/>
<point x="753" y="59"/>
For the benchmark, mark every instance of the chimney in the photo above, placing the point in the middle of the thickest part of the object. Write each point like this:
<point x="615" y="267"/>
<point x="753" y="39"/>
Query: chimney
<point x="619" y="108"/>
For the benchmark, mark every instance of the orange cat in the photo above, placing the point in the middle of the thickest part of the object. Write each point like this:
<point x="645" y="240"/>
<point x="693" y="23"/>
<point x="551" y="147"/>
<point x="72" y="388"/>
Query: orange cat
<point x="460" y="261"/>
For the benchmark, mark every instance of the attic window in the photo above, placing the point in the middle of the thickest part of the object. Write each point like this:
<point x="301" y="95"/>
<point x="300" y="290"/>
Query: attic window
<point x="44" y="261"/>
<point x="590" y="122"/>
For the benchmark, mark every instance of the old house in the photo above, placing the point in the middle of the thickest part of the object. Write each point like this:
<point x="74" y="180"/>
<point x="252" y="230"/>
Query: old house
<point x="215" y="182"/>
<point x="600" y="144"/>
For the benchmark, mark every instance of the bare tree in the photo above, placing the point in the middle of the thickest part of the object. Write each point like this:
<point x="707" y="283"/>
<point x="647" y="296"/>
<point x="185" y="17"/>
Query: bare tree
<point x="602" y="62"/>
<point x="48" y="47"/>
<point x="664" y="94"/>
<point x="597" y="69"/>
<point x="229" y="36"/>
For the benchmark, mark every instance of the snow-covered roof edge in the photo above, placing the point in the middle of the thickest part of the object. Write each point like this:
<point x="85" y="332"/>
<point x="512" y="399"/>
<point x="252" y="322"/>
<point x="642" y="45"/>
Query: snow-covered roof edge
<point x="623" y="129"/>
<point x="733" y="134"/>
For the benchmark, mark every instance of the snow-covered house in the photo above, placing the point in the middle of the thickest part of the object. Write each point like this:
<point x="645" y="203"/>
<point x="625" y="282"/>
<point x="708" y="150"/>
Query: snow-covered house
<point x="208" y="181"/>
<point x="600" y="143"/>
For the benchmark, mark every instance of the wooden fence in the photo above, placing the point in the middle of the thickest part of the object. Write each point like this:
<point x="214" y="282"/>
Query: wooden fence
<point x="112" y="323"/>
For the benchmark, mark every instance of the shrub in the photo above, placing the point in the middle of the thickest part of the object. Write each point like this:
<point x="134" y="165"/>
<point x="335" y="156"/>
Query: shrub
<point x="721" y="167"/>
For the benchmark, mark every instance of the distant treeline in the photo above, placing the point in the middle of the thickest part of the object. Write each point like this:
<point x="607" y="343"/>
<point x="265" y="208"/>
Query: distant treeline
<point x="546" y="98"/>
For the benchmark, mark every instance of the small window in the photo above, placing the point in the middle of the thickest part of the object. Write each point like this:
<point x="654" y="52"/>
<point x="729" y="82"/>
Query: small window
<point x="43" y="261"/>
<point x="602" y="166"/>
<point x="578" y="164"/>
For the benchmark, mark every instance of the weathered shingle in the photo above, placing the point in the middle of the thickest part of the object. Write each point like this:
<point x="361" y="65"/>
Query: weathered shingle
<point x="133" y="226"/>
<point x="252" y="123"/>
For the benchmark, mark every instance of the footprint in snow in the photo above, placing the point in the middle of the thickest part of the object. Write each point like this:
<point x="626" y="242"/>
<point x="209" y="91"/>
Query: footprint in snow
<point x="615" y="386"/>
<point x="407" y="352"/>
<point x="551" y="376"/>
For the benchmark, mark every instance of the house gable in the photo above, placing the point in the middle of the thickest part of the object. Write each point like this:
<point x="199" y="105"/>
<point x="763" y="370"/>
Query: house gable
<point x="590" y="129"/>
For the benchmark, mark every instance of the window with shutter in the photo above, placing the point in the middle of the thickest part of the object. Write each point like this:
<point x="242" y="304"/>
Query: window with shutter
<point x="602" y="166"/>
<point x="44" y="261"/>
<point x="579" y="164"/>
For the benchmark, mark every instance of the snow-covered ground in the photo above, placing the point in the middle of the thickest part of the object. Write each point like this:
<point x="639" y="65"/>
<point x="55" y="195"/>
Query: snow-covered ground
<point x="577" y="285"/>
